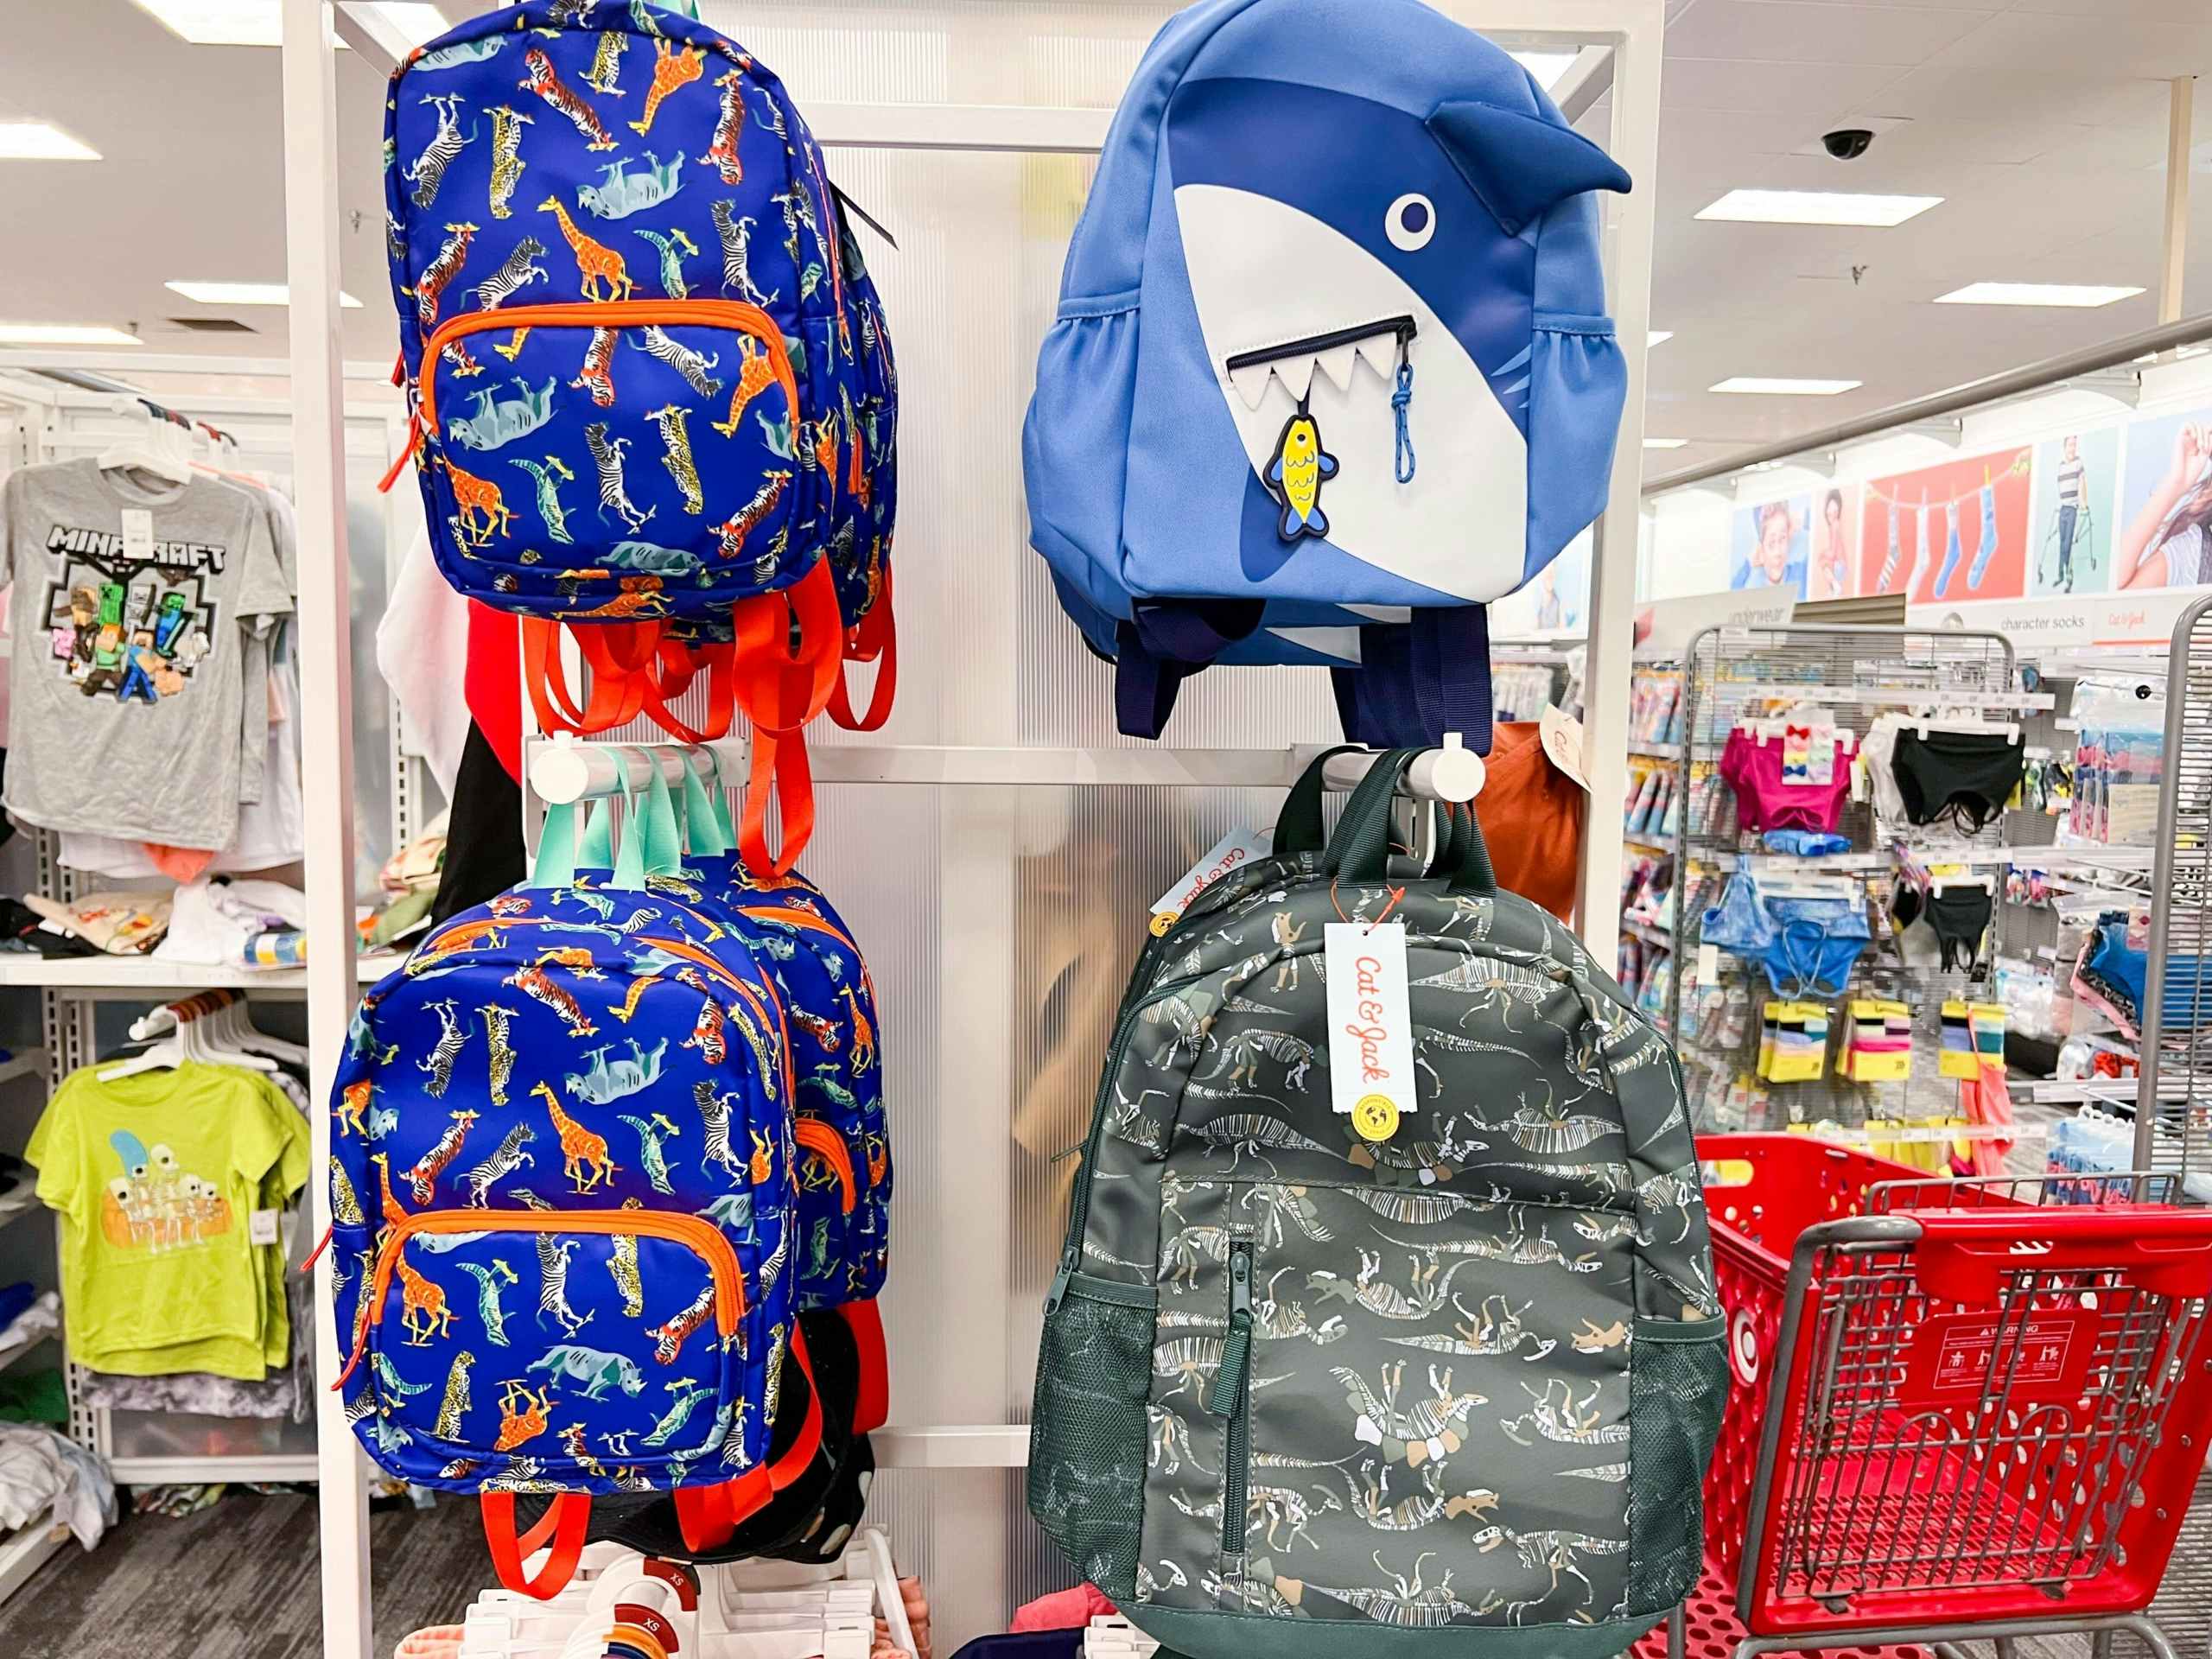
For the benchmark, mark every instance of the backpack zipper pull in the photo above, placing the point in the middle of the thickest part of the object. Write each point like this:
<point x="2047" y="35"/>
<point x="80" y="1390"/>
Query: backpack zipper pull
<point x="1236" y="1347"/>
<point x="1058" y="1293"/>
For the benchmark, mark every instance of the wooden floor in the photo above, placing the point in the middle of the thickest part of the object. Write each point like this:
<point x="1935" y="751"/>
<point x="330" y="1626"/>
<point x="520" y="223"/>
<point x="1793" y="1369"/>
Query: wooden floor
<point x="239" y="1581"/>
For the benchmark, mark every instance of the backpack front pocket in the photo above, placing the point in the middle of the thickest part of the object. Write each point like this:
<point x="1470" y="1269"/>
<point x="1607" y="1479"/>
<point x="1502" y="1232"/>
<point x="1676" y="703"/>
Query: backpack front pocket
<point x="579" y="1346"/>
<point x="618" y="461"/>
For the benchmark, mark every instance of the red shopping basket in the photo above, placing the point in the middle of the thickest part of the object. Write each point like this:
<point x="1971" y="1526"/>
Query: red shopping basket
<point x="1991" y="1414"/>
<point x="1761" y="1193"/>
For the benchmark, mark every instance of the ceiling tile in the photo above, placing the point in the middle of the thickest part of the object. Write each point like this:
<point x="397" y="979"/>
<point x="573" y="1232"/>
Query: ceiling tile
<point x="1798" y="89"/>
<point x="1787" y="31"/>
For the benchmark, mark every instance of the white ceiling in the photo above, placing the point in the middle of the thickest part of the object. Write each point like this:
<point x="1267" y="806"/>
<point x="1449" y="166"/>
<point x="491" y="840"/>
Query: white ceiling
<point x="2043" y="122"/>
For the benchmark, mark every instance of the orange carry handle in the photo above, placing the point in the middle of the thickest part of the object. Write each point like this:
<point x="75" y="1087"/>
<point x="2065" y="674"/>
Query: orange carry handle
<point x="564" y="1522"/>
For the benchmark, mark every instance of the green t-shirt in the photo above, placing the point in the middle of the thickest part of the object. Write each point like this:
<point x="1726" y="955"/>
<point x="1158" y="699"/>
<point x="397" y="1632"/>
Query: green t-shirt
<point x="156" y="1176"/>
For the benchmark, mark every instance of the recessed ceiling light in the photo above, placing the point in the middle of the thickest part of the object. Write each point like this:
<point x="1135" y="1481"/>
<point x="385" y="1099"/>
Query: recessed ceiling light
<point x="1815" y="208"/>
<point x="64" y="333"/>
<point x="42" y="141"/>
<point x="1664" y="443"/>
<point x="1658" y="337"/>
<point x="2074" y="294"/>
<point x="261" y="22"/>
<point x="1760" y="385"/>
<point x="247" y="293"/>
<point x="1546" y="66"/>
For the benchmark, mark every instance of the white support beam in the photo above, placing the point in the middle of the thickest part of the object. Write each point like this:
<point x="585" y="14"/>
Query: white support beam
<point x="1637" y="29"/>
<point x="121" y="363"/>
<point x="1586" y="81"/>
<point x="325" y="629"/>
<point x="371" y="34"/>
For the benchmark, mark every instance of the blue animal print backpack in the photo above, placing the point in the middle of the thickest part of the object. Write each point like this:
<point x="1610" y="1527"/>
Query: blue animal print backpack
<point x="565" y="1182"/>
<point x="653" y="384"/>
<point x="1331" y="368"/>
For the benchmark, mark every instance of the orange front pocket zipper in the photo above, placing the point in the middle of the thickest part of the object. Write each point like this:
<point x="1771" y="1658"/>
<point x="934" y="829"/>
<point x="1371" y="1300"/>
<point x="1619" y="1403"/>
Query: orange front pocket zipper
<point x="610" y="313"/>
<point x="706" y="1239"/>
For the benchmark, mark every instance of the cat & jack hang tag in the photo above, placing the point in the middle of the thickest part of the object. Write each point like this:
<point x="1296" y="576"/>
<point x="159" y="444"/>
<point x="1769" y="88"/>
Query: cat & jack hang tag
<point x="1371" y="1027"/>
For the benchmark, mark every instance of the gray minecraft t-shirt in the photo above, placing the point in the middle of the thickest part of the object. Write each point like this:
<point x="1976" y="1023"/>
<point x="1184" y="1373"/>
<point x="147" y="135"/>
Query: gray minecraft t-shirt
<point x="133" y="597"/>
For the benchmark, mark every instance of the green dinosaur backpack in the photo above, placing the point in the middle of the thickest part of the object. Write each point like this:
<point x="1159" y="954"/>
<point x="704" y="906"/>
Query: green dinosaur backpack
<point x="1447" y="1362"/>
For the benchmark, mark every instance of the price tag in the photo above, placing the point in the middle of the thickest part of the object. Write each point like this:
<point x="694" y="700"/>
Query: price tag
<point x="261" y="1227"/>
<point x="1371" y="1027"/>
<point x="138" y="535"/>
<point x="1233" y="851"/>
<point x="1708" y="965"/>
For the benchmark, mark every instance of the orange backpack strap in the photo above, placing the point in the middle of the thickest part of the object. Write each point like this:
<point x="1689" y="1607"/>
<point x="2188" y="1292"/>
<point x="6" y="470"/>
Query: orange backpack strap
<point x="672" y="675"/>
<point x="563" y="1524"/>
<point x="875" y="640"/>
<point x="790" y="646"/>
<point x="617" y="691"/>
<point x="779" y="763"/>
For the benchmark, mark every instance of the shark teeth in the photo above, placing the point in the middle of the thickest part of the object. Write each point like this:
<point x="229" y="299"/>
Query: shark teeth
<point x="1251" y="383"/>
<point x="1338" y="365"/>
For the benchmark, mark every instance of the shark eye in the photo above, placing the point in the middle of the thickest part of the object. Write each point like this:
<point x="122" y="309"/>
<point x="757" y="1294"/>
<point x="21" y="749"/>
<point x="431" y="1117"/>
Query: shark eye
<point x="1411" y="223"/>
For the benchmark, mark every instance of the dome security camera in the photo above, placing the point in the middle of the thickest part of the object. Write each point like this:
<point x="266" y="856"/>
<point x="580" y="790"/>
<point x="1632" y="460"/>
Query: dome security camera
<point x="1848" y="143"/>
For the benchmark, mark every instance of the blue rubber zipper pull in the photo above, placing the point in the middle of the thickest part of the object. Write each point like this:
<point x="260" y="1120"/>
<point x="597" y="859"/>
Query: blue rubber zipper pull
<point x="1400" y="405"/>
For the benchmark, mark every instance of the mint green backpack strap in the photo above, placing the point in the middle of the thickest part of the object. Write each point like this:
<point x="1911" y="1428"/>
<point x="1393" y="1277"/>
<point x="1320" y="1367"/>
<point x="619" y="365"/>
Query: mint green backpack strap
<point x="719" y="795"/>
<point x="596" y="851"/>
<point x="555" y="865"/>
<point x="661" y="846"/>
<point x="705" y="834"/>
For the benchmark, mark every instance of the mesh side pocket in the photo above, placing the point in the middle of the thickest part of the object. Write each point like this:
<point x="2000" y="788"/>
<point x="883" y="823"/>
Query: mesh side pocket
<point x="1087" y="1430"/>
<point x="1678" y="1382"/>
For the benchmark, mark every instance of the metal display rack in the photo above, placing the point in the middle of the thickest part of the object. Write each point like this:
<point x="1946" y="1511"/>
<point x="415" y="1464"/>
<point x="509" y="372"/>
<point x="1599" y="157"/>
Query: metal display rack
<point x="1729" y="673"/>
<point x="2173" y="1102"/>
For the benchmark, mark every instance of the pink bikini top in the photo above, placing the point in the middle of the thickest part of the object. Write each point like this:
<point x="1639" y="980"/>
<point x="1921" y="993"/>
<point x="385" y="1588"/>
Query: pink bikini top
<point x="1765" y="800"/>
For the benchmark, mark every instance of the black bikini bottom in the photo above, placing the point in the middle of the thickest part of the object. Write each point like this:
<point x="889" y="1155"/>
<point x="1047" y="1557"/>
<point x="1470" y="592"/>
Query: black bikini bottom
<point x="1964" y="777"/>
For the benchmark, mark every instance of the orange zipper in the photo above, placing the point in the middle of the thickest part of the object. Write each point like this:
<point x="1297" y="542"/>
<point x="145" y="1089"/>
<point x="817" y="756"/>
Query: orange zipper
<point x="818" y="1136"/>
<point x="703" y="1235"/>
<point x="610" y="314"/>
<point x="805" y="919"/>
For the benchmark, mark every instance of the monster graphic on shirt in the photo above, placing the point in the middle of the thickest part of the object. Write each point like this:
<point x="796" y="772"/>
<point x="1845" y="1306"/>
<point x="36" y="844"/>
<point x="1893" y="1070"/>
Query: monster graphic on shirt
<point x="155" y="1203"/>
<point x="134" y="629"/>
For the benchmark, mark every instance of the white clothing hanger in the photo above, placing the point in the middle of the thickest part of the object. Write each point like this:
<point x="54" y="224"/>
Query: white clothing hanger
<point x="147" y="450"/>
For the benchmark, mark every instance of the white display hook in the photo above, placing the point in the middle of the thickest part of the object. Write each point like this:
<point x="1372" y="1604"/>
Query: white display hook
<point x="563" y="771"/>
<point x="1454" y="774"/>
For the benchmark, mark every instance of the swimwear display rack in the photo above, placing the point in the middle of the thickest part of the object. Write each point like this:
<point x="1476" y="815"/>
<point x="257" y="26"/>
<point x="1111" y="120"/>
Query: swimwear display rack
<point x="1729" y="673"/>
<point x="2173" y="1098"/>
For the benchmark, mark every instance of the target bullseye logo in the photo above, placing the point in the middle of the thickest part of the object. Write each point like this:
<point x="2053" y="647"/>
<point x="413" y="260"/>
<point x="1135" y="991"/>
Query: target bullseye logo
<point x="1744" y="1346"/>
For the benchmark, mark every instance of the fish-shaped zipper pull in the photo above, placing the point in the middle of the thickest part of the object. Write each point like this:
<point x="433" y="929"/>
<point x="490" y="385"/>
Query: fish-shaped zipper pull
<point x="1301" y="466"/>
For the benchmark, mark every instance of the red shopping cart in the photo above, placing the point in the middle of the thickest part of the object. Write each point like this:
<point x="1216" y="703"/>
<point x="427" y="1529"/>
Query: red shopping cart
<point x="1991" y="1416"/>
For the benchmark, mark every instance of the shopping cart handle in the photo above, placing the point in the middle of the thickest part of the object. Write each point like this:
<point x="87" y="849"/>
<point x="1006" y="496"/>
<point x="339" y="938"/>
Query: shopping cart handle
<point x="1967" y="1256"/>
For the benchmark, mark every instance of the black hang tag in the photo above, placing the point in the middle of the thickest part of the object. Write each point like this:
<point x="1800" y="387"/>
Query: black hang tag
<point x="864" y="215"/>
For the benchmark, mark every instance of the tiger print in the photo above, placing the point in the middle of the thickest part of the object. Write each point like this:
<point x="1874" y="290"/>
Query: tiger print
<point x="430" y="287"/>
<point x="496" y="1020"/>
<point x="733" y="533"/>
<point x="669" y="1339"/>
<point x="562" y="97"/>
<point x="723" y="152"/>
<point x="598" y="371"/>
<point x="534" y="982"/>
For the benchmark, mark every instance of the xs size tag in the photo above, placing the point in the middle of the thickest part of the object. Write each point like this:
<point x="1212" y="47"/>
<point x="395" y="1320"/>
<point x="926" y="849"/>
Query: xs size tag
<point x="138" y="535"/>
<point x="261" y="1227"/>
<point x="1371" y="1027"/>
<point x="1233" y="851"/>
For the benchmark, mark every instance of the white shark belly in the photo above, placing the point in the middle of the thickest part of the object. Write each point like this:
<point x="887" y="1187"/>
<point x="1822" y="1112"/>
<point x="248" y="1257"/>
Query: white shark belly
<point x="1261" y="273"/>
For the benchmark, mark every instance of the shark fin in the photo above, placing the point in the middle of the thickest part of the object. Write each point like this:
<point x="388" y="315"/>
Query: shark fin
<point x="1521" y="165"/>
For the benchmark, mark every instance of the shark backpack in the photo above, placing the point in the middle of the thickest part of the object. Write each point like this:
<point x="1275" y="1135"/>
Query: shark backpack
<point x="1330" y="367"/>
<point x="1328" y="1371"/>
<point x="564" y="1183"/>
<point x="652" y="381"/>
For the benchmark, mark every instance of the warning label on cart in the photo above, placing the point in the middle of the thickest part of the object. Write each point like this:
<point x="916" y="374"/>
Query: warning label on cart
<point x="2040" y="1357"/>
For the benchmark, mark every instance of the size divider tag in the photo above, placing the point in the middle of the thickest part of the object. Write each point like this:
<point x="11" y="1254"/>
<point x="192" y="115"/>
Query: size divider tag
<point x="1233" y="851"/>
<point x="138" y="535"/>
<point x="1371" y="1027"/>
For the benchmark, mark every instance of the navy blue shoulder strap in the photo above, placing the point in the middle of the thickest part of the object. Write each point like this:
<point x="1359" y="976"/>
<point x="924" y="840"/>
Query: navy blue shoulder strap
<point x="1416" y="681"/>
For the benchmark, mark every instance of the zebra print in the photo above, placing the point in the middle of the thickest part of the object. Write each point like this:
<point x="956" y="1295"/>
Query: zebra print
<point x="612" y="492"/>
<point x="428" y="171"/>
<point x="521" y="270"/>
<point x="553" y="1284"/>
<point x="692" y="366"/>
